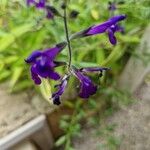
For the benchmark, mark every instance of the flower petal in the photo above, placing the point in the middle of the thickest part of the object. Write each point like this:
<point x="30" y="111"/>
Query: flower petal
<point x="45" y="69"/>
<point x="53" y="52"/>
<point x="32" y="58"/>
<point x="112" y="37"/>
<point x="104" y="26"/>
<point x="53" y="75"/>
<point x="87" y="88"/>
<point x="61" y="88"/>
<point x="41" y="4"/>
<point x="119" y="28"/>
<point x="34" y="75"/>
<point x="56" y="101"/>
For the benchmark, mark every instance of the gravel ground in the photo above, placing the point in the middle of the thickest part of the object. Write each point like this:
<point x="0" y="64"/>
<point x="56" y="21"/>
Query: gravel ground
<point x="131" y="131"/>
<point x="17" y="109"/>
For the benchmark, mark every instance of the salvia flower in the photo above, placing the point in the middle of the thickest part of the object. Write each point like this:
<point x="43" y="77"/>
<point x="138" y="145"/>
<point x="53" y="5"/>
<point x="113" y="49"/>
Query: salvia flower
<point x="110" y="27"/>
<point x="61" y="88"/>
<point x="40" y="4"/>
<point x="43" y="63"/>
<point x="87" y="87"/>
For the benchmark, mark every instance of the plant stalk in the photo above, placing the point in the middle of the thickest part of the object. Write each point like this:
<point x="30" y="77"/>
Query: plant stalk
<point x="67" y="37"/>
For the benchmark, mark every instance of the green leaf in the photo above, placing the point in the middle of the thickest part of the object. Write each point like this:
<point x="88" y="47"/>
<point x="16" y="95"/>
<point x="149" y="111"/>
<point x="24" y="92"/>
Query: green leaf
<point x="129" y="39"/>
<point x="60" y="141"/>
<point x="10" y="59"/>
<point x="1" y="66"/>
<point x="9" y="38"/>
<point x="4" y="74"/>
<point x="3" y="4"/>
<point x="45" y="89"/>
<point x="15" y="76"/>
<point x="21" y="86"/>
<point x="116" y="54"/>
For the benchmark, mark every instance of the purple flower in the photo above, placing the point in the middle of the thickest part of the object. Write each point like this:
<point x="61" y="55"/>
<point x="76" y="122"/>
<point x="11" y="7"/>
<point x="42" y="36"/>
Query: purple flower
<point x="39" y="4"/>
<point x="43" y="64"/>
<point x="109" y="27"/>
<point x="112" y="6"/>
<point x="87" y="88"/>
<point x="61" y="88"/>
<point x="50" y="14"/>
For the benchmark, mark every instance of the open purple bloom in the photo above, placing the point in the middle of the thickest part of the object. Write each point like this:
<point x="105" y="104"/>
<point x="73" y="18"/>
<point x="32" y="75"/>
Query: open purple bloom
<point x="111" y="26"/>
<point x="61" y="88"/>
<point x="43" y="64"/>
<point x="87" y="88"/>
<point x="39" y="4"/>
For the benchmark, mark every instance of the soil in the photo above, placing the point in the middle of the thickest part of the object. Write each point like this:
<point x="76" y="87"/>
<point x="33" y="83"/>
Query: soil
<point x="131" y="131"/>
<point x="17" y="109"/>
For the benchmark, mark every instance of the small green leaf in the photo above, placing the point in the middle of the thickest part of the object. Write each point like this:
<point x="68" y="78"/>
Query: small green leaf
<point x="45" y="89"/>
<point x="15" y="76"/>
<point x="60" y="141"/>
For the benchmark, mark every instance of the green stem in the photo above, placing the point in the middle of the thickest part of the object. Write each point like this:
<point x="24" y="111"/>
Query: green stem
<point x="73" y="122"/>
<point x="67" y="37"/>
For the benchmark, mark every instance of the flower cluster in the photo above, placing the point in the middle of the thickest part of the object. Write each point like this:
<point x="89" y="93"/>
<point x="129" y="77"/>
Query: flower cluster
<point x="87" y="87"/>
<point x="43" y="63"/>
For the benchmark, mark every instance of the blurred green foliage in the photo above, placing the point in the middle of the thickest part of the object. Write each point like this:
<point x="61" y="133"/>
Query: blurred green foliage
<point x="24" y="29"/>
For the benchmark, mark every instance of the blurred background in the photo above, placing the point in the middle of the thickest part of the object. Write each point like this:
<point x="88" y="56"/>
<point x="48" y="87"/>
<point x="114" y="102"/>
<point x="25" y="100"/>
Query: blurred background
<point x="116" y="118"/>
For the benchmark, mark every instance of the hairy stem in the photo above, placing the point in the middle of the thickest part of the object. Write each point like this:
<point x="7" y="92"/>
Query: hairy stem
<point x="67" y="37"/>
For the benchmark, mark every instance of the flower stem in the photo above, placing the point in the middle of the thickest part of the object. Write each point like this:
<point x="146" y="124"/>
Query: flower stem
<point x="67" y="37"/>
